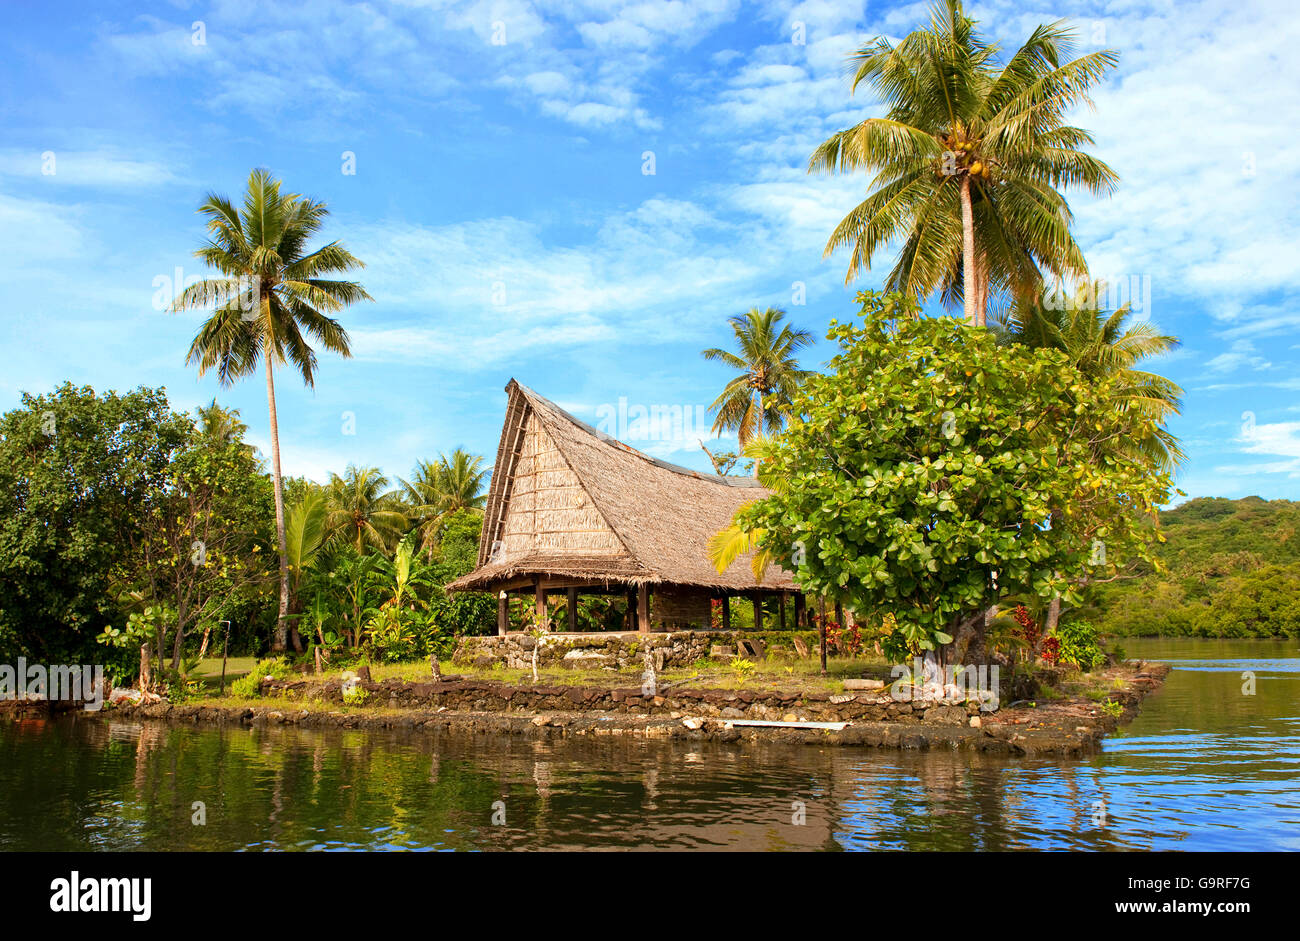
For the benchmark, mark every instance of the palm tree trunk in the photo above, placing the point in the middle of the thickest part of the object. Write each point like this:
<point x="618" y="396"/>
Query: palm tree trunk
<point x="970" y="297"/>
<point x="281" y="624"/>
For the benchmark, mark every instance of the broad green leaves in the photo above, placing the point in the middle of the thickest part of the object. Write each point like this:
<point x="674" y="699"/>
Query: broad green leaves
<point x="930" y="473"/>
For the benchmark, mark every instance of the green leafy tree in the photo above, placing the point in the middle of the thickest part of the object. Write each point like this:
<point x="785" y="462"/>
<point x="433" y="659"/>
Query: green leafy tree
<point x="757" y="400"/>
<point x="77" y="471"/>
<point x="969" y="160"/>
<point x="932" y="472"/>
<point x="203" y="544"/>
<point x="272" y="300"/>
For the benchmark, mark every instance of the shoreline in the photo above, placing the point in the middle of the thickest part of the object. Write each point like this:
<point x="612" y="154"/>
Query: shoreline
<point x="1064" y="728"/>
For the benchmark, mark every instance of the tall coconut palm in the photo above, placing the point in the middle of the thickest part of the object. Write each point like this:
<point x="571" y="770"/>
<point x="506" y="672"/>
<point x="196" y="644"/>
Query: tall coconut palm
<point x="271" y="300"/>
<point x="455" y="481"/>
<point x="362" y="511"/>
<point x="758" y="399"/>
<point x="968" y="160"/>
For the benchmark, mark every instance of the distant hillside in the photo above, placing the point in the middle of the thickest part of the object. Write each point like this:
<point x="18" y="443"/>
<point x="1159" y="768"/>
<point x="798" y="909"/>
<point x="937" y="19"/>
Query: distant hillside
<point x="1232" y="570"/>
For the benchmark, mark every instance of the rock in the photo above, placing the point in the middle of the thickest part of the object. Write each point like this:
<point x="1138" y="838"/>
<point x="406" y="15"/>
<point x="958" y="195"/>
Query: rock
<point x="864" y="684"/>
<point x="731" y="712"/>
<point x="541" y="720"/>
<point x="754" y="649"/>
<point x="586" y="659"/>
<point x="718" y="651"/>
<point x="789" y="717"/>
<point x="945" y="715"/>
<point x="801" y="648"/>
<point x="840" y="700"/>
<point x="693" y="723"/>
<point x="975" y="722"/>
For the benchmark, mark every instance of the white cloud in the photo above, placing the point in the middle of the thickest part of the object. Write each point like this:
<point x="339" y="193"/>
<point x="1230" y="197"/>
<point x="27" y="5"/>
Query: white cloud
<point x="1240" y="355"/>
<point x="83" y="168"/>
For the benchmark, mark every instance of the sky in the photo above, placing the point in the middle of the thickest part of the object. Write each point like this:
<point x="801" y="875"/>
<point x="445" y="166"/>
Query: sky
<point x="579" y="193"/>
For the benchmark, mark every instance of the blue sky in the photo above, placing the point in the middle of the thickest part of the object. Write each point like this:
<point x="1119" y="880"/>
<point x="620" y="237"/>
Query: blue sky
<point x="501" y="201"/>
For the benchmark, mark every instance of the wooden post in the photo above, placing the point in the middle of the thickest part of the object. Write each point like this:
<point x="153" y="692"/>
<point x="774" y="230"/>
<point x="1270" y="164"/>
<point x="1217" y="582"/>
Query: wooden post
<point x="630" y="622"/>
<point x="573" y="609"/>
<point x="726" y="612"/>
<point x="822" y="630"/>
<point x="503" y="614"/>
<point x="839" y="614"/>
<point x="540" y="606"/>
<point x="758" y="611"/>
<point x="800" y="612"/>
<point x="643" y="608"/>
<point x="225" y="655"/>
<point x="783" y="594"/>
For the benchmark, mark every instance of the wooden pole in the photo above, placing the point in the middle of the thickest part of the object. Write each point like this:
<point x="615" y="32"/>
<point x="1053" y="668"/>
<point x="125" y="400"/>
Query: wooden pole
<point x="225" y="654"/>
<point x="839" y="614"/>
<point x="540" y="606"/>
<point x="643" y="608"/>
<point x="573" y="609"/>
<point x="782" y="609"/>
<point x="822" y="633"/>
<point x="758" y="611"/>
<point x="503" y="614"/>
<point x="800" y="612"/>
<point x="726" y="612"/>
<point x="631" y="624"/>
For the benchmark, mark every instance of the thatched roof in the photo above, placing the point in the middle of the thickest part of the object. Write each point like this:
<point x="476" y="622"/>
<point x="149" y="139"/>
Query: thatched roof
<point x="569" y="501"/>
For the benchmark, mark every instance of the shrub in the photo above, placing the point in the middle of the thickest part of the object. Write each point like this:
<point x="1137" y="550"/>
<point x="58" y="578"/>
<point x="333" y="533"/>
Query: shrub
<point x="1078" y="644"/>
<point x="249" y="685"/>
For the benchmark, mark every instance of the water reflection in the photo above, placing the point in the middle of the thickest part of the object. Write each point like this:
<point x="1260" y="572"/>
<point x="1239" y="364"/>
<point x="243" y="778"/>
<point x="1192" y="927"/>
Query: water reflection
<point x="1204" y="767"/>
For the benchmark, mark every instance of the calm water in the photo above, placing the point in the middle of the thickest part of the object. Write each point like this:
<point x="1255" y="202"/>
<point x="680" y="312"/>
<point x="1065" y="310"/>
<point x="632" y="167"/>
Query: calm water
<point x="1203" y="767"/>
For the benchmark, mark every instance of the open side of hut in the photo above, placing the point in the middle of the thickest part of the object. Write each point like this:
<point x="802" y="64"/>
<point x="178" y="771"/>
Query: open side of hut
<point x="574" y="510"/>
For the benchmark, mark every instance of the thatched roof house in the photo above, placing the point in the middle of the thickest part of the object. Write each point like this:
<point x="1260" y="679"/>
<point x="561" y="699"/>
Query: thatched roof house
<point x="572" y="509"/>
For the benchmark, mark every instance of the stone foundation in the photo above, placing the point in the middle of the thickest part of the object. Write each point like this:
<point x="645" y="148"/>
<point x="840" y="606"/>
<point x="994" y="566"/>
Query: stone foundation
<point x="591" y="651"/>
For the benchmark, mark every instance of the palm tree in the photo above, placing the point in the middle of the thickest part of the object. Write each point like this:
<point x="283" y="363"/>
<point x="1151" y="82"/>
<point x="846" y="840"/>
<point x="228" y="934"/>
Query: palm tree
<point x="454" y="482"/>
<point x="271" y="300"/>
<point x="1101" y="344"/>
<point x="729" y="544"/>
<point x="220" y="426"/>
<point x="758" y="400"/>
<point x="968" y="160"/>
<point x="362" y="512"/>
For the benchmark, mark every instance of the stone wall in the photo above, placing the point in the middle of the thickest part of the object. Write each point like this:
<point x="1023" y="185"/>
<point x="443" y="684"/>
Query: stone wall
<point x="496" y="697"/>
<point x="590" y="651"/>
